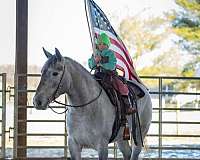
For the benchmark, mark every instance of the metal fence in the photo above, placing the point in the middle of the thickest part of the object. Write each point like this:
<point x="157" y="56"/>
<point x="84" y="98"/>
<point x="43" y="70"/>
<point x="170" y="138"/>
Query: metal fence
<point x="178" y="84"/>
<point x="38" y="135"/>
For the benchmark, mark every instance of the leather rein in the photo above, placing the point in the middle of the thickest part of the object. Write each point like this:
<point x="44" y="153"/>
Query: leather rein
<point x="68" y="105"/>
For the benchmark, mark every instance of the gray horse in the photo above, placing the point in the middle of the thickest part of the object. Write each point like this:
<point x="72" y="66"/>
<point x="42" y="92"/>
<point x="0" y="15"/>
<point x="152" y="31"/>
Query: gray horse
<point x="90" y="125"/>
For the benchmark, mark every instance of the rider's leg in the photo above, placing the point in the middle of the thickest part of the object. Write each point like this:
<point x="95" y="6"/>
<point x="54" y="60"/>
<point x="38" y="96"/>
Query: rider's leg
<point x="129" y="109"/>
<point x="122" y="88"/>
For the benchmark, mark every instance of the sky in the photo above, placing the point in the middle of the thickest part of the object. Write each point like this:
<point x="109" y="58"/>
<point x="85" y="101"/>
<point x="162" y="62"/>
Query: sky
<point x="62" y="24"/>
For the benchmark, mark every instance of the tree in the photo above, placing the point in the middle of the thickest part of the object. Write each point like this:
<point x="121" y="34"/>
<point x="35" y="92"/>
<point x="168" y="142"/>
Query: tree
<point x="186" y="24"/>
<point x="147" y="35"/>
<point x="166" y="64"/>
<point x="144" y="35"/>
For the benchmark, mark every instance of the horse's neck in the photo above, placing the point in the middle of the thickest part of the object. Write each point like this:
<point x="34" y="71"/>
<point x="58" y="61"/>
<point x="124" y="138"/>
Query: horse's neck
<point x="83" y="87"/>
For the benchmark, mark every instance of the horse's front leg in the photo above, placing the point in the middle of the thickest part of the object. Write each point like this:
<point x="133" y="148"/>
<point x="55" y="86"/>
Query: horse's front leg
<point x="124" y="148"/>
<point x="103" y="151"/>
<point x="74" y="149"/>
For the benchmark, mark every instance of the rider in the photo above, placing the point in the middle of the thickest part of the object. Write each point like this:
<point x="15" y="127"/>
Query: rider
<point x="104" y="61"/>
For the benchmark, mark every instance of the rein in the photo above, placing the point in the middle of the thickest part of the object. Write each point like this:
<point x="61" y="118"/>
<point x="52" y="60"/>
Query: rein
<point x="68" y="105"/>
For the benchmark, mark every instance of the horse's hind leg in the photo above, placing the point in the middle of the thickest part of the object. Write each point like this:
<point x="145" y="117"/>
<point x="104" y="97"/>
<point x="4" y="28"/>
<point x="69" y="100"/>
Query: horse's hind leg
<point x="124" y="148"/>
<point x="137" y="149"/>
<point x="74" y="149"/>
<point x="136" y="152"/>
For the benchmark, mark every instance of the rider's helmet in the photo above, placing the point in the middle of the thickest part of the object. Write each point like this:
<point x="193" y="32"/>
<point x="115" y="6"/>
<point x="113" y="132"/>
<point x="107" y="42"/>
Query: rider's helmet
<point x="103" y="38"/>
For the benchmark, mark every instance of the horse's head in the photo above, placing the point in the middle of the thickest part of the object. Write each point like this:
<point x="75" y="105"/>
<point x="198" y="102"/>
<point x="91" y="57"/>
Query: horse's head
<point x="50" y="84"/>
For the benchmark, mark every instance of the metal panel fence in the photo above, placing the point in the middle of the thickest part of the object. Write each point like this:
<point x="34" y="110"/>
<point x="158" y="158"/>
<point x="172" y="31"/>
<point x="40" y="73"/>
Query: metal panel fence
<point x="168" y="94"/>
<point x="183" y="92"/>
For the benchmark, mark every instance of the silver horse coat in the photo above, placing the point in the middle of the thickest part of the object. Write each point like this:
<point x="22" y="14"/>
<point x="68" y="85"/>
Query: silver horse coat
<point x="91" y="125"/>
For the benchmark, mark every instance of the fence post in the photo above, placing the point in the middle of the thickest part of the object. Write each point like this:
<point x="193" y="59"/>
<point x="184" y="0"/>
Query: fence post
<point x="160" y="118"/>
<point x="21" y="68"/>
<point x="3" y="114"/>
<point x="65" y="139"/>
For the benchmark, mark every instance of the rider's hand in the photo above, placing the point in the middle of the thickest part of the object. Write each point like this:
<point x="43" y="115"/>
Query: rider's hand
<point x="97" y="58"/>
<point x="99" y="65"/>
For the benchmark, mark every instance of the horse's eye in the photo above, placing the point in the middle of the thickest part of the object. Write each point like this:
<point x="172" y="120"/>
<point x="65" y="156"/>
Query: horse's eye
<point x="55" y="73"/>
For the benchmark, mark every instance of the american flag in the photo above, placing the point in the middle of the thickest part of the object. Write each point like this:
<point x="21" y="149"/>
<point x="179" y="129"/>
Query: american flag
<point x="99" y="24"/>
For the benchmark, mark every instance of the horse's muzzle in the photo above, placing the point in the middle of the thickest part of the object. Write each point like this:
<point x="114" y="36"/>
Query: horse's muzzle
<point x="39" y="104"/>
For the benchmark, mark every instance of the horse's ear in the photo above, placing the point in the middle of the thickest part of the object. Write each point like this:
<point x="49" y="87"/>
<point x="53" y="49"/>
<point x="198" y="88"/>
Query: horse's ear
<point x="48" y="55"/>
<point x="58" y="55"/>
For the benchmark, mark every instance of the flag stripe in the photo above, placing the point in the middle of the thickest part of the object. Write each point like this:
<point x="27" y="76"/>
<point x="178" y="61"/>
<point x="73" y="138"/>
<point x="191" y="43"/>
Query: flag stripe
<point x="128" y="74"/>
<point x="118" y="56"/>
<point x="122" y="48"/>
<point x="116" y="49"/>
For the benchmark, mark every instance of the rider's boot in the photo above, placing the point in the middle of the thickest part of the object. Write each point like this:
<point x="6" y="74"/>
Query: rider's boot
<point x="129" y="109"/>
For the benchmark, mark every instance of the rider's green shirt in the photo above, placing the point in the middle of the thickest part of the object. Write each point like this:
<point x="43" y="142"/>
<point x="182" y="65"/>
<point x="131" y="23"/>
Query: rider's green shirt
<point x="108" y="64"/>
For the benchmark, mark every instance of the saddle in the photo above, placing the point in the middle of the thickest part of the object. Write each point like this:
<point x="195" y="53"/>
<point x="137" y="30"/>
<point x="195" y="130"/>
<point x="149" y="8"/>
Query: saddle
<point x="116" y="99"/>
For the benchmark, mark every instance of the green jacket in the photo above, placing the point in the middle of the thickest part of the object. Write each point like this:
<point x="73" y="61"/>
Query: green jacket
<point x="108" y="61"/>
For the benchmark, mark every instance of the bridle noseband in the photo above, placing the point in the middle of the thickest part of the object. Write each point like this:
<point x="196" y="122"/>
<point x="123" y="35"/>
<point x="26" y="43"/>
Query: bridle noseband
<point x="68" y="105"/>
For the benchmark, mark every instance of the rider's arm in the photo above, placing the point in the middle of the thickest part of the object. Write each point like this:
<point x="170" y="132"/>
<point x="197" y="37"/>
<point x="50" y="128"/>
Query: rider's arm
<point x="91" y="62"/>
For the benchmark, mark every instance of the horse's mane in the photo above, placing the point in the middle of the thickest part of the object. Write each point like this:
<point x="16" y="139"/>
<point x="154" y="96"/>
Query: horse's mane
<point x="79" y="66"/>
<point x="70" y="62"/>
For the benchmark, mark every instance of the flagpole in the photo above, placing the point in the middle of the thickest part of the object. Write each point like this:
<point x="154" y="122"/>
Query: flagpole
<point x="90" y="27"/>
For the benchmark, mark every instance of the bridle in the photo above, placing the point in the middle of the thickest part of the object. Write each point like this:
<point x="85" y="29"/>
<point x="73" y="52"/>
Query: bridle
<point x="68" y="105"/>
